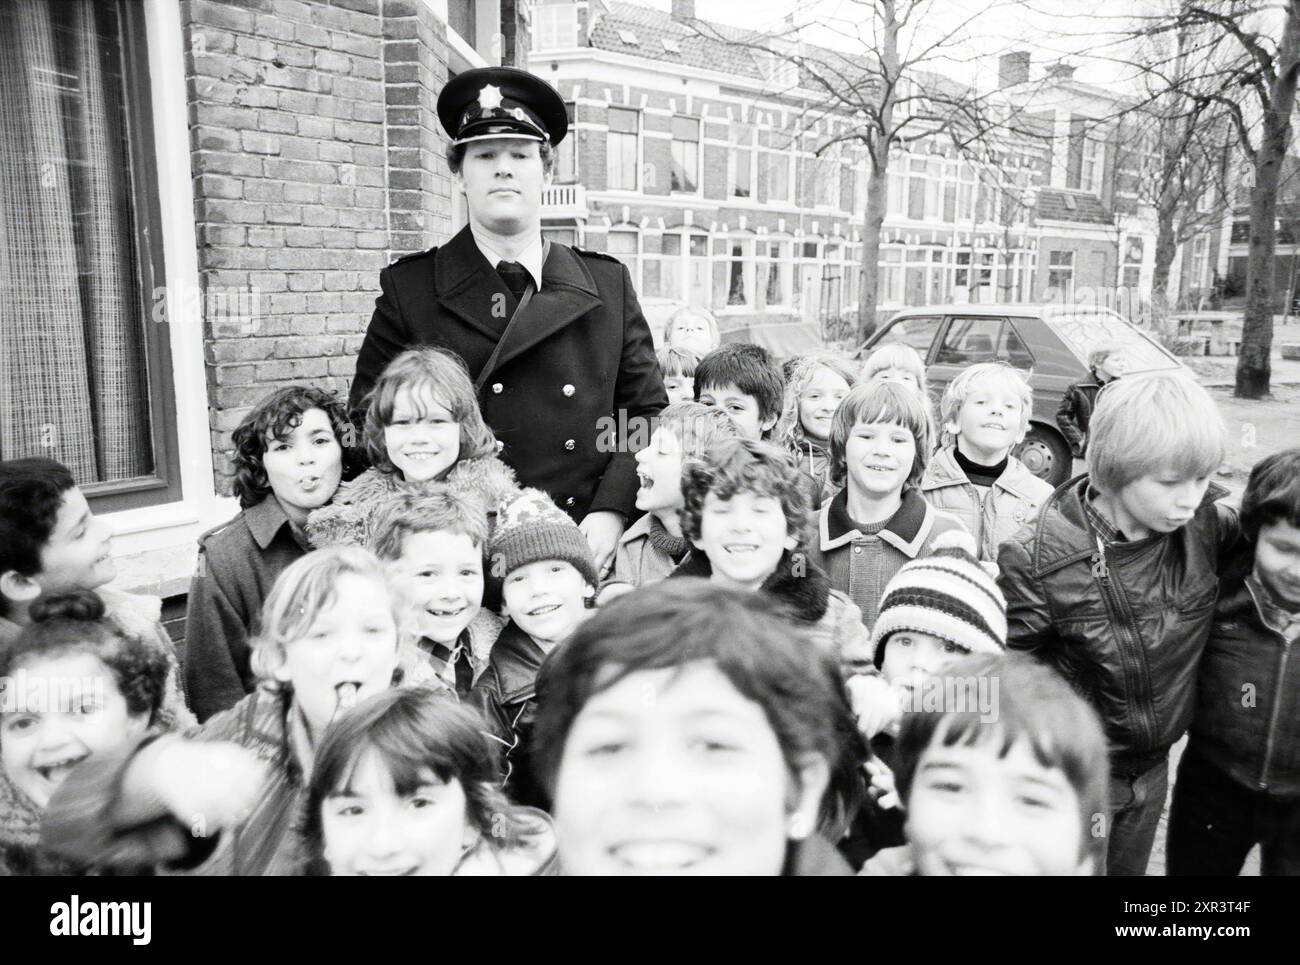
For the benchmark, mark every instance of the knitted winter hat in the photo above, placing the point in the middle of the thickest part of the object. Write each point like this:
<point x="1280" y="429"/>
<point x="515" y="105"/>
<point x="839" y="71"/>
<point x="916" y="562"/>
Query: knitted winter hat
<point x="530" y="528"/>
<point x="947" y="594"/>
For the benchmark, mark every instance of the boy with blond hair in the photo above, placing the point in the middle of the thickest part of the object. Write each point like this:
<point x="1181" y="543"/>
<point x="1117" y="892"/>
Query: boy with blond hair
<point x="984" y="414"/>
<point x="1115" y="585"/>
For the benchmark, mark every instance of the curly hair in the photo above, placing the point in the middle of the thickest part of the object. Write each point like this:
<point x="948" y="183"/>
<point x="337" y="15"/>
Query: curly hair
<point x="275" y="417"/>
<point x="67" y="624"/>
<point x="435" y="373"/>
<point x="416" y="734"/>
<point x="788" y="430"/>
<point x="744" y="466"/>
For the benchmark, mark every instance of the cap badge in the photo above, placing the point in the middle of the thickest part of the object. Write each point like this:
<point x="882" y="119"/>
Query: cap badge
<point x="489" y="98"/>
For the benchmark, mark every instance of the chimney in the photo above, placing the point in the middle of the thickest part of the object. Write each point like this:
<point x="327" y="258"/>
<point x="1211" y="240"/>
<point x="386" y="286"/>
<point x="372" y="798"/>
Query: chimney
<point x="1062" y="72"/>
<point x="683" y="9"/>
<point x="1013" y="68"/>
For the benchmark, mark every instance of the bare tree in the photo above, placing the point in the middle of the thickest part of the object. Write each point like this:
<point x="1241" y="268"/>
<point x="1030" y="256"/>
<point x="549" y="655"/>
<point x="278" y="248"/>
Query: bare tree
<point x="1244" y="63"/>
<point x="887" y="94"/>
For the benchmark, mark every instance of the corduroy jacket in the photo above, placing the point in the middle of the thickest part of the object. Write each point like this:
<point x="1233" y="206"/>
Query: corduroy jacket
<point x="860" y="564"/>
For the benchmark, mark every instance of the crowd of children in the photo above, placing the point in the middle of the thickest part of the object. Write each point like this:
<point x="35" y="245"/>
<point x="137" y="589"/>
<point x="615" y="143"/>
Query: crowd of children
<point x="850" y="631"/>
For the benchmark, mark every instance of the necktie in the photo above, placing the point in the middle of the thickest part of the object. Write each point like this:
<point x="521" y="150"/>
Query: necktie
<point x="515" y="276"/>
<point x="461" y="667"/>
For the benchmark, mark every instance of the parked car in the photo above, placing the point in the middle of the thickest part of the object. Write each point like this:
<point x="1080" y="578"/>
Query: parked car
<point x="1050" y="343"/>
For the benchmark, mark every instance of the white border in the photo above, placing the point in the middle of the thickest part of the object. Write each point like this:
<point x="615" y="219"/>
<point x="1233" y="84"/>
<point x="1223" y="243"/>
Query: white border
<point x="159" y="540"/>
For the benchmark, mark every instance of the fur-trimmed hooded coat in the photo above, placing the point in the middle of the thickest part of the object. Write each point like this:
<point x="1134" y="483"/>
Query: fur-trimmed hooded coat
<point x="349" y="518"/>
<point x="833" y="622"/>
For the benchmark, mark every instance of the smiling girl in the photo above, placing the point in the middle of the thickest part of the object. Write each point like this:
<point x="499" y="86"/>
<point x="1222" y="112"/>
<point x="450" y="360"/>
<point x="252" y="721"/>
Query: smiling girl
<point x="423" y="426"/>
<point x="77" y="686"/>
<point x="406" y="784"/>
<point x="816" y="387"/>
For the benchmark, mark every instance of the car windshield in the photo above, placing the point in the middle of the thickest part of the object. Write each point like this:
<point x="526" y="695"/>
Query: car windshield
<point x="1085" y="331"/>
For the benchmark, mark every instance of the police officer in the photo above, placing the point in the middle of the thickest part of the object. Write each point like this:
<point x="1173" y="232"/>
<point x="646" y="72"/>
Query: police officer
<point x="553" y="336"/>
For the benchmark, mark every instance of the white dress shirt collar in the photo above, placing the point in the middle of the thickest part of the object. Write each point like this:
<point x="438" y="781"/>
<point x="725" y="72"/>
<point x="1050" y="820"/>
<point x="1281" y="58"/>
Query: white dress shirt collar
<point x="530" y="257"/>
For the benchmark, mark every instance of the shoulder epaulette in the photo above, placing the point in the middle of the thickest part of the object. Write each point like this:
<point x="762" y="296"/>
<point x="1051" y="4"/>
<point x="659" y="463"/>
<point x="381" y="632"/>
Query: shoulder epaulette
<point x="413" y="256"/>
<point x="588" y="253"/>
<point x="221" y="527"/>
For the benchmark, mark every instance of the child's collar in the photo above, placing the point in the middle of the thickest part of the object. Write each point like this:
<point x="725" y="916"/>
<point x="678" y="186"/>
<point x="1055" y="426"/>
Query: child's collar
<point x="805" y="589"/>
<point x="265" y="520"/>
<point x="906" y="530"/>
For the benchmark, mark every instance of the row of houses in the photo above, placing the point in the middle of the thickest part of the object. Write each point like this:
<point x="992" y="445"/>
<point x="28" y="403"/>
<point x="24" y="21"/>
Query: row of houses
<point x="699" y="159"/>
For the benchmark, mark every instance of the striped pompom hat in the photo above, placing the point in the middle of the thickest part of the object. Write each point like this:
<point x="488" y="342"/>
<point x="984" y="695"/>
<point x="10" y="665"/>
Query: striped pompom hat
<point x="947" y="594"/>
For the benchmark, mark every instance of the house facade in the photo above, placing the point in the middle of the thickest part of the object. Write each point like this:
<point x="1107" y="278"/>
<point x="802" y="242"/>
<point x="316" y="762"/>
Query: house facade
<point x="696" y="160"/>
<point x="198" y="197"/>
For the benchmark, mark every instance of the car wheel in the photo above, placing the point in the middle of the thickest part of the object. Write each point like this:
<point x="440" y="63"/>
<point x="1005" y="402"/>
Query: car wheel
<point x="1046" y="455"/>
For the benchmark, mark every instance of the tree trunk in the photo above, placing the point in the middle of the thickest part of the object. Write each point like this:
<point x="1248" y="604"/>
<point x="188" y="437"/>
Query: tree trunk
<point x="1166" y="247"/>
<point x="878" y="181"/>
<point x="871" y="227"/>
<point x="1253" y="365"/>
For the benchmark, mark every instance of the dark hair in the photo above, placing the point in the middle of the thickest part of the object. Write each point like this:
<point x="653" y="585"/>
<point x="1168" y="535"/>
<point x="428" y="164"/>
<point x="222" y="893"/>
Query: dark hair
<point x="747" y="637"/>
<point x="275" y="417"/>
<point x="71" y="623"/>
<point x="1034" y="703"/>
<point x="881" y="402"/>
<point x="31" y="494"/>
<point x="414" y="732"/>
<point x="456" y="155"/>
<point x="1272" y="493"/>
<point x="744" y="466"/>
<point x="750" y="369"/>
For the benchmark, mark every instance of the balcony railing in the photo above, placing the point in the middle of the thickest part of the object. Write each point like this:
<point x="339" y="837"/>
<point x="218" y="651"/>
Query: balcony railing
<point x="564" y="201"/>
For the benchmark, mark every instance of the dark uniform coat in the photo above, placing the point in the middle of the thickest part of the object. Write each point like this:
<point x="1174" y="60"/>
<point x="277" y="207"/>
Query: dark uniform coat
<point x="577" y="371"/>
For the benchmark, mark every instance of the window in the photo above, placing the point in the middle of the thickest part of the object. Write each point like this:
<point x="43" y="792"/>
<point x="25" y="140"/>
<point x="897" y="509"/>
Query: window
<point x="628" y="37"/>
<point x="1060" y="271"/>
<point x="622" y="243"/>
<point x="621" y="149"/>
<point x="670" y="45"/>
<point x="918" y="333"/>
<point x="777" y="282"/>
<point x="564" y="236"/>
<point x="85" y="378"/>
<point x="566" y="157"/>
<point x="686" y="154"/>
<point x="734" y="269"/>
<point x="742" y="161"/>
<point x="662" y="257"/>
<point x="776" y="174"/>
<point x="891" y="276"/>
<point x="555" y="26"/>
<point x="1090" y="171"/>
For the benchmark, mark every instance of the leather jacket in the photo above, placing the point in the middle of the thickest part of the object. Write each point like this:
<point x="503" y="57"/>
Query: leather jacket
<point x="1125" y="623"/>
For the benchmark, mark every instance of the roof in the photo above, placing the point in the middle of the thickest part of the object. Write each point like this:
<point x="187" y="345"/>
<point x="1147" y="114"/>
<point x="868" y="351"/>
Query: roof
<point x="1055" y="204"/>
<point x="701" y="43"/>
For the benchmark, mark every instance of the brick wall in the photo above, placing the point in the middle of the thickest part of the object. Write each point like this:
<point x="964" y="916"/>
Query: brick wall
<point x="316" y="158"/>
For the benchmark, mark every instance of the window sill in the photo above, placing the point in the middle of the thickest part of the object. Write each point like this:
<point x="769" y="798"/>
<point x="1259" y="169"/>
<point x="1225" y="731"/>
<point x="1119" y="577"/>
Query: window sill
<point x="154" y="547"/>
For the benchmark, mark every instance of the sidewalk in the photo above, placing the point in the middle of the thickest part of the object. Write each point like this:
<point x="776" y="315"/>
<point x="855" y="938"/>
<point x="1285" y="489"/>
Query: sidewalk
<point x="1221" y="370"/>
